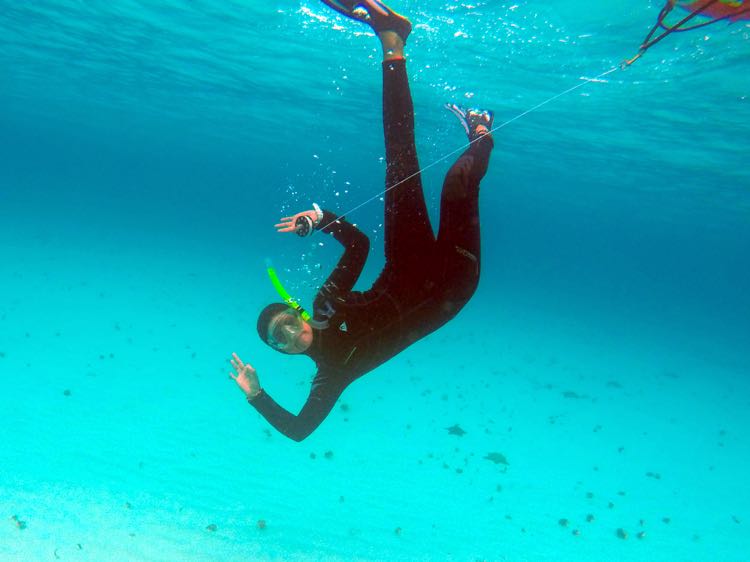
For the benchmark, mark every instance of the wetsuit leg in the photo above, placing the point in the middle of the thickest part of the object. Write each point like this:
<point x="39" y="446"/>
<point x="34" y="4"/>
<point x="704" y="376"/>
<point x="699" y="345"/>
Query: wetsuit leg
<point x="407" y="225"/>
<point x="458" y="237"/>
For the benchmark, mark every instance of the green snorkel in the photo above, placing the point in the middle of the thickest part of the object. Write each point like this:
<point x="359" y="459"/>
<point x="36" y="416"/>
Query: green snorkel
<point x="289" y="300"/>
<point x="285" y="296"/>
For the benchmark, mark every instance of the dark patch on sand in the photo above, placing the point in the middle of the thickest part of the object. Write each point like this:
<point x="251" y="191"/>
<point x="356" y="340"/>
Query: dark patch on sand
<point x="456" y="430"/>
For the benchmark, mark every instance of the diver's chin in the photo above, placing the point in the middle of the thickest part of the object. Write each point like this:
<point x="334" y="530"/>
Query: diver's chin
<point x="304" y="343"/>
<point x="301" y="345"/>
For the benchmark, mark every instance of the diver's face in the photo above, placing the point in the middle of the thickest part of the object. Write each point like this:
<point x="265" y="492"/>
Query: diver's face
<point x="288" y="332"/>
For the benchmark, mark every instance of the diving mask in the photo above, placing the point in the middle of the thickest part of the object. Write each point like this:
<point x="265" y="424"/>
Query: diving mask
<point x="284" y="329"/>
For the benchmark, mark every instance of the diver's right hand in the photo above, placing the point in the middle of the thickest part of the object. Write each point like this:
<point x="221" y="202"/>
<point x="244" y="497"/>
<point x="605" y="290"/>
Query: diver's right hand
<point x="290" y="224"/>
<point x="304" y="223"/>
<point x="246" y="377"/>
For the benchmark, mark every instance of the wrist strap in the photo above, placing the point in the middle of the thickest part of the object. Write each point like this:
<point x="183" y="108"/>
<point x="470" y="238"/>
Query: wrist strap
<point x="318" y="213"/>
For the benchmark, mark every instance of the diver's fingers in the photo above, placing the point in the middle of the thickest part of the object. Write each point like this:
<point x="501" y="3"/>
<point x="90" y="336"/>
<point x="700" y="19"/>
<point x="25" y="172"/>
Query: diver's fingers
<point x="287" y="223"/>
<point x="236" y="361"/>
<point x="287" y="229"/>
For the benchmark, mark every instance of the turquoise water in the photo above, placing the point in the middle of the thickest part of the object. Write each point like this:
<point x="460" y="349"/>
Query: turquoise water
<point x="149" y="147"/>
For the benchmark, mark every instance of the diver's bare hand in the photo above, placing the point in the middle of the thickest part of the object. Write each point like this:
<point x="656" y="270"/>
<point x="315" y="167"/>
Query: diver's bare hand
<point x="245" y="377"/>
<point x="289" y="224"/>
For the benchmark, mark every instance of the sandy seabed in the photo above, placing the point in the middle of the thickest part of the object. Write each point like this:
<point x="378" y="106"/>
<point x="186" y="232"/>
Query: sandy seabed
<point x="124" y="439"/>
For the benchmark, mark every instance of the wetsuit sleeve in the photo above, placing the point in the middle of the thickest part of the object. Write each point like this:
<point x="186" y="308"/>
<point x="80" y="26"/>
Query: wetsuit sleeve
<point x="356" y="248"/>
<point x="320" y="402"/>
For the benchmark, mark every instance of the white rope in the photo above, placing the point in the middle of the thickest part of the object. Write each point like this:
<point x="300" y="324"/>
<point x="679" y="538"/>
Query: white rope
<point x="462" y="148"/>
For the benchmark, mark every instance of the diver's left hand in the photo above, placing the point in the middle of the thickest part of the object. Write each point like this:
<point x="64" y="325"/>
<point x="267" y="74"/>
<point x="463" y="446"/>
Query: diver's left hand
<point x="289" y="224"/>
<point x="245" y="377"/>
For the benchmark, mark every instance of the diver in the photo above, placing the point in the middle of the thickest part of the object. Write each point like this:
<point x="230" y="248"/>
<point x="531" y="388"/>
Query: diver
<point x="426" y="279"/>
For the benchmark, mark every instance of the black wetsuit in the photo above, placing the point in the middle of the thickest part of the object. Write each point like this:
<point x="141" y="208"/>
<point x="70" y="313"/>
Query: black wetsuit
<point x="424" y="283"/>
